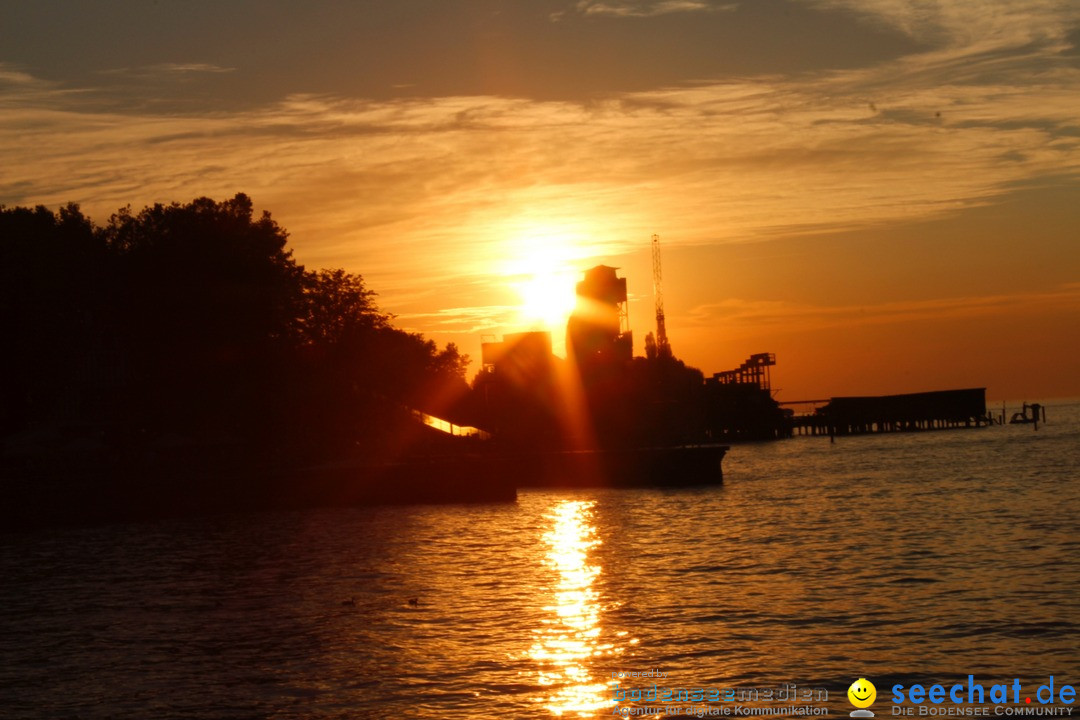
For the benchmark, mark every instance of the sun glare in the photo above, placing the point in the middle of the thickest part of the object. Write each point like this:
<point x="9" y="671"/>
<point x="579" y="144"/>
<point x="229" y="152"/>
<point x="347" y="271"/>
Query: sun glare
<point x="542" y="266"/>
<point x="548" y="297"/>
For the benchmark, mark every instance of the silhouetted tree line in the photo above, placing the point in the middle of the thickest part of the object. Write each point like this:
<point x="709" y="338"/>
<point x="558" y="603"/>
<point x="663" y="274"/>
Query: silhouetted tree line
<point x="194" y="322"/>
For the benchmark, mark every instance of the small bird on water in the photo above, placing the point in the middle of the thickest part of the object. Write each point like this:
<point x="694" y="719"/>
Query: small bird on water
<point x="351" y="602"/>
<point x="414" y="601"/>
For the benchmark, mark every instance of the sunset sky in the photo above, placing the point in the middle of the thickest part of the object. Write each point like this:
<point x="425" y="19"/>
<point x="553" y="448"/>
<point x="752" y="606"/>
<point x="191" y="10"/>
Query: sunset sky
<point x="884" y="193"/>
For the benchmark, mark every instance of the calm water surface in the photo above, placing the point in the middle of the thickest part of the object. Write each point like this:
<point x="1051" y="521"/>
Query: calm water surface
<point x="902" y="558"/>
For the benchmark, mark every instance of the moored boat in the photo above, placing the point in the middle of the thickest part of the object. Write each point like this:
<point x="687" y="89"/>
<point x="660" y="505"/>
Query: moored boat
<point x="681" y="466"/>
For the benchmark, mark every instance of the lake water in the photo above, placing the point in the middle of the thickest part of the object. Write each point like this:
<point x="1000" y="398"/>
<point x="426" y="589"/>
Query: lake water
<point x="901" y="558"/>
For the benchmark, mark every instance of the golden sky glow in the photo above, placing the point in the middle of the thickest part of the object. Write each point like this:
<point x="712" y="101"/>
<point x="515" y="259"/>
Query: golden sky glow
<point x="882" y="186"/>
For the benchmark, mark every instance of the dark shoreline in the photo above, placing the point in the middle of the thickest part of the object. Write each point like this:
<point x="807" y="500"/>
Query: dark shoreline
<point x="34" y="500"/>
<point x="77" y="496"/>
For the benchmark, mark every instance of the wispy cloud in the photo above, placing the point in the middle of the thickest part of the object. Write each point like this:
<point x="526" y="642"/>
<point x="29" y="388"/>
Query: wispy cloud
<point x="967" y="23"/>
<point x="11" y="75"/>
<point x="649" y="8"/>
<point x="732" y="160"/>
<point x="463" y="320"/>
<point x="168" y="69"/>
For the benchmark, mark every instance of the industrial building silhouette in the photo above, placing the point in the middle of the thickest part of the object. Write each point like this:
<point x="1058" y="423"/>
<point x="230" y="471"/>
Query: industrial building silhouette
<point x="601" y="396"/>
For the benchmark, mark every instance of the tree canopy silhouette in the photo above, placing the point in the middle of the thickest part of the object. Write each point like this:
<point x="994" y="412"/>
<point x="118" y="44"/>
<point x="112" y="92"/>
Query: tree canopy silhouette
<point x="195" y="319"/>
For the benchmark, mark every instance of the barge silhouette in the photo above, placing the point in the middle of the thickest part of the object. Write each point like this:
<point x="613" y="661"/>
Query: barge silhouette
<point x="685" y="466"/>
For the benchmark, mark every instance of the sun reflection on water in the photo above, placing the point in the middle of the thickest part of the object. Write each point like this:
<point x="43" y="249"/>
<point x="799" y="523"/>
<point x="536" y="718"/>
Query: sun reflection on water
<point x="570" y="638"/>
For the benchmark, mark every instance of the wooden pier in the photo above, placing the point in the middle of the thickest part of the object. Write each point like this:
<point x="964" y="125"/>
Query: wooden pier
<point x="938" y="410"/>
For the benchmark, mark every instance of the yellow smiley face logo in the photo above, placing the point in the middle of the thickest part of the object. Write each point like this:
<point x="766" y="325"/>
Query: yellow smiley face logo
<point x="862" y="693"/>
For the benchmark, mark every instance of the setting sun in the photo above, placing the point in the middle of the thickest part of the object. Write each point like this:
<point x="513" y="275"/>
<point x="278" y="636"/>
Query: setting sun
<point x="542" y="266"/>
<point x="548" y="297"/>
